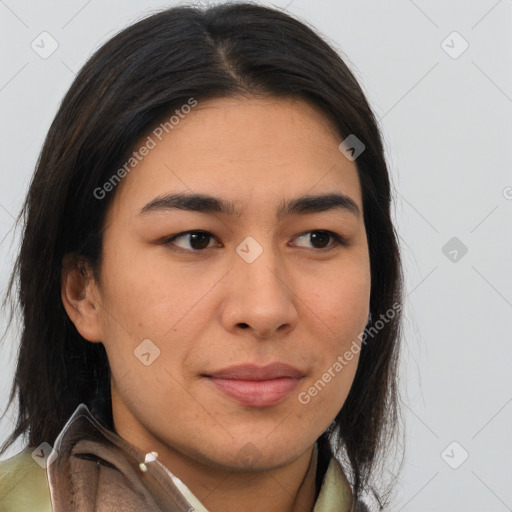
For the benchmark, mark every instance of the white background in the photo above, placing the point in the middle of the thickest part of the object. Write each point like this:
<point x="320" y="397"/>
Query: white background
<point x="447" y="128"/>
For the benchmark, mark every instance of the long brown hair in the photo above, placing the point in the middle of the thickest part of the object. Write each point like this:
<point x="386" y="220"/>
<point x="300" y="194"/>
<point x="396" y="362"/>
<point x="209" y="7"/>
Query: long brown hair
<point x="124" y="90"/>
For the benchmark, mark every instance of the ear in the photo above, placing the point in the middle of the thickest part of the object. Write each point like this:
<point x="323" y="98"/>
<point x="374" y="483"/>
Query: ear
<point x="79" y="293"/>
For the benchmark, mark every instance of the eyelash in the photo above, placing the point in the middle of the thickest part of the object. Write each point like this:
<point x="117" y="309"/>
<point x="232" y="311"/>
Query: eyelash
<point x="339" y="240"/>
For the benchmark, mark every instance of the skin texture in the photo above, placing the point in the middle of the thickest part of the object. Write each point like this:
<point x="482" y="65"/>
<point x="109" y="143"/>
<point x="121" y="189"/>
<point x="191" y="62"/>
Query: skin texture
<point x="206" y="310"/>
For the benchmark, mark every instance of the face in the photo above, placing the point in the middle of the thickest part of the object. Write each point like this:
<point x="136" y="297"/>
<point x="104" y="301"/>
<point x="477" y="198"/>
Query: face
<point x="258" y="285"/>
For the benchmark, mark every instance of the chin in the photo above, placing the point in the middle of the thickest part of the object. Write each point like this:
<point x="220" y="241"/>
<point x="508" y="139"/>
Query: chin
<point x="259" y="456"/>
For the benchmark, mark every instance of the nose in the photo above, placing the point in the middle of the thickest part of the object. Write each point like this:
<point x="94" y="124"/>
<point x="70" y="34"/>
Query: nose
<point x="260" y="297"/>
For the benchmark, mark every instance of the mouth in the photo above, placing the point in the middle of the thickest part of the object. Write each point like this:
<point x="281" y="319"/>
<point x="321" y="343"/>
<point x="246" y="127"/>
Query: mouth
<point x="256" y="386"/>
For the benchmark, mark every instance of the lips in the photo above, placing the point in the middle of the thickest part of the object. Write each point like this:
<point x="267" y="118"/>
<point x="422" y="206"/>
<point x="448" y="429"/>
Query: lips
<point x="254" y="372"/>
<point x="256" y="386"/>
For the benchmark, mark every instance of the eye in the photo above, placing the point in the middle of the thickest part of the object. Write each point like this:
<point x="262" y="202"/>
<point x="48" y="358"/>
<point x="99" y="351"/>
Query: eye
<point x="320" y="239"/>
<point x="198" y="240"/>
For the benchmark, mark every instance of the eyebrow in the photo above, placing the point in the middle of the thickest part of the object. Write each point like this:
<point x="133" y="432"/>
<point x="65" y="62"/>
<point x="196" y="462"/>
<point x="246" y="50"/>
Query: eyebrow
<point x="210" y="204"/>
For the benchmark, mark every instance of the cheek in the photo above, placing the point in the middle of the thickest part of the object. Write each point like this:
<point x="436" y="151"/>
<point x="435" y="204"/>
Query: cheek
<point x="341" y="304"/>
<point x="146" y="298"/>
<point x="149" y="316"/>
<point x="341" y="307"/>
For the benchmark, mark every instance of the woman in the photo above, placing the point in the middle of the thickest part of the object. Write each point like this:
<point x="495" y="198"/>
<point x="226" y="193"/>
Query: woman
<point x="209" y="277"/>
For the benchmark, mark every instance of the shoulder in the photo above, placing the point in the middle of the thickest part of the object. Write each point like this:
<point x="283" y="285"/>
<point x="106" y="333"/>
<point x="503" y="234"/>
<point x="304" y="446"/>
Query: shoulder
<point x="23" y="484"/>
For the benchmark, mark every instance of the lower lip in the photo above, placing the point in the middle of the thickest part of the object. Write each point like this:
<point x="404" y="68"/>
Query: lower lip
<point x="256" y="393"/>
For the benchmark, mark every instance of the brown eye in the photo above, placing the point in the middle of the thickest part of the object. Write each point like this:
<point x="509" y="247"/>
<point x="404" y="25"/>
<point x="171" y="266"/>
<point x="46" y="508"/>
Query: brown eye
<point x="197" y="240"/>
<point x="320" y="239"/>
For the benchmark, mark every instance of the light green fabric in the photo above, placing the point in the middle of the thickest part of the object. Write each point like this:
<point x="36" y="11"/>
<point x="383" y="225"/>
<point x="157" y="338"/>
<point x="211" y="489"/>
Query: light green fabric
<point x="24" y="487"/>
<point x="335" y="493"/>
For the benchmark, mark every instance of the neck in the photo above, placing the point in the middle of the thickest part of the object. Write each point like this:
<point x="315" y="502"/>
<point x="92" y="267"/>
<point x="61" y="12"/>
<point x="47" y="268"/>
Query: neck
<point x="290" y="488"/>
<point x="220" y="488"/>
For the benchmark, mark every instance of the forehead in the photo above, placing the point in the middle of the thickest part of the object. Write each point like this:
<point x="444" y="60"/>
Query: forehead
<point x="265" y="149"/>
